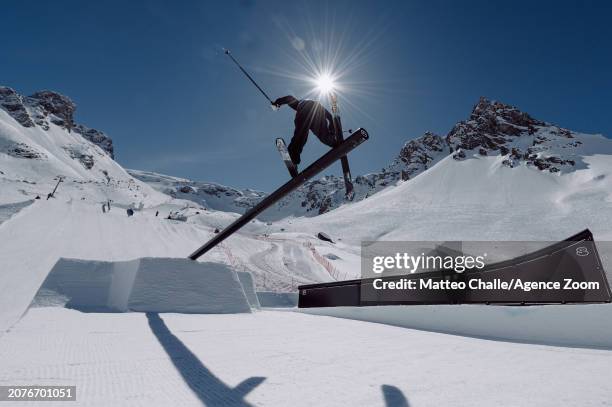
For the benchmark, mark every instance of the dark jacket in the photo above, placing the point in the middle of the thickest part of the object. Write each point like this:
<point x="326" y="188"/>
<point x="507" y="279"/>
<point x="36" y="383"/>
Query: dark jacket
<point x="310" y="116"/>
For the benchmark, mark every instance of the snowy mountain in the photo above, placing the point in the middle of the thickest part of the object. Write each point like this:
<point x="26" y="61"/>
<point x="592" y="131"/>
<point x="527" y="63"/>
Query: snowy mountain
<point x="210" y="195"/>
<point x="40" y="143"/>
<point x="548" y="184"/>
<point x="493" y="129"/>
<point x="498" y="175"/>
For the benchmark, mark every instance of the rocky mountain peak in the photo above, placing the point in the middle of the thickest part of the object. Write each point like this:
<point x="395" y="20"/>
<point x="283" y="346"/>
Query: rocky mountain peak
<point x="491" y="129"/>
<point x="13" y="103"/>
<point x="495" y="128"/>
<point x="45" y="107"/>
<point x="418" y="155"/>
<point x="487" y="110"/>
<point x="491" y="125"/>
<point x="53" y="103"/>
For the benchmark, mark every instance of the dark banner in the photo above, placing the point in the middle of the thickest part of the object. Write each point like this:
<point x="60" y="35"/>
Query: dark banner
<point x="569" y="271"/>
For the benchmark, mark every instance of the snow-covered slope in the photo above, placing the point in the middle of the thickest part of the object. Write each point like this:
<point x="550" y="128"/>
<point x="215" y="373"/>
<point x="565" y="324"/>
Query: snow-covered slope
<point x="40" y="143"/>
<point x="500" y="175"/>
<point x="508" y="177"/>
<point x="207" y="194"/>
<point x="34" y="240"/>
<point x="494" y="129"/>
<point x="512" y="138"/>
<point x="480" y="198"/>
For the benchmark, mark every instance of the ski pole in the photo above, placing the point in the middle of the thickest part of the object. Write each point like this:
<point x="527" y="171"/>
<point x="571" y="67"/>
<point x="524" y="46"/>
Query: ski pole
<point x="228" y="53"/>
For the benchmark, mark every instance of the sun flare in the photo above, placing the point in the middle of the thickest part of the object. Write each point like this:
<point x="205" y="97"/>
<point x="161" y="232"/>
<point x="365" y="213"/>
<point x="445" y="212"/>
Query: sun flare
<point x="325" y="83"/>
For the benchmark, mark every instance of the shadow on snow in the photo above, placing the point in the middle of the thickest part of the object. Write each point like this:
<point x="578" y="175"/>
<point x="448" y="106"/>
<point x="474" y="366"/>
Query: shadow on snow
<point x="204" y="384"/>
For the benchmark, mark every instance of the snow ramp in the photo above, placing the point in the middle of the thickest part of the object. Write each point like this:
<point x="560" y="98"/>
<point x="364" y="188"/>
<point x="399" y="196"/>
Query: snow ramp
<point x="145" y="285"/>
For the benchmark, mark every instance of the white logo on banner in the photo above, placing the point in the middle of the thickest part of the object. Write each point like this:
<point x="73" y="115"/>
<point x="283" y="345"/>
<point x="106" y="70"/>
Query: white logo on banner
<point x="582" y="251"/>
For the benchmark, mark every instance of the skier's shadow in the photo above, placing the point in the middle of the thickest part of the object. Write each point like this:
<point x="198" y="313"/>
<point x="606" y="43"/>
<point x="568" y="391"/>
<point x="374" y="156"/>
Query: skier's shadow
<point x="394" y="396"/>
<point x="209" y="388"/>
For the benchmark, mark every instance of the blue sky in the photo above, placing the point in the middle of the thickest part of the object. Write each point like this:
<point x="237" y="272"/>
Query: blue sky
<point x="151" y="74"/>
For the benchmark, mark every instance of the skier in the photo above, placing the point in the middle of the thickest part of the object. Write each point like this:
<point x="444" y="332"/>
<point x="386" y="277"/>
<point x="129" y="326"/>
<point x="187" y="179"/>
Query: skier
<point x="310" y="116"/>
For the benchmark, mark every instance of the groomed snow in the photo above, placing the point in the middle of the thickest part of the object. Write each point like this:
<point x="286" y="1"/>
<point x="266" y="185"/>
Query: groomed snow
<point x="583" y="325"/>
<point x="273" y="358"/>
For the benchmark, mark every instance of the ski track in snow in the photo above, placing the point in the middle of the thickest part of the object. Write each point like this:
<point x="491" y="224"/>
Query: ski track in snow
<point x="287" y="358"/>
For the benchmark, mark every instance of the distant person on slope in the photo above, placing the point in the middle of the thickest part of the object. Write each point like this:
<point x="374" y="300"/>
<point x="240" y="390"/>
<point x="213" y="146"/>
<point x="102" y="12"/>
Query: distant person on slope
<point x="310" y="116"/>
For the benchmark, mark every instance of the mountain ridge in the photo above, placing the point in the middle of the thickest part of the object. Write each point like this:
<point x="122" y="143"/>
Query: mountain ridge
<point x="492" y="128"/>
<point x="41" y="144"/>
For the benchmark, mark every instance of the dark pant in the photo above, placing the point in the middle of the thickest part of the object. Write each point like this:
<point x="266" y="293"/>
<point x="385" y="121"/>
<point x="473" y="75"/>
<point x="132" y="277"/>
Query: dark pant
<point x="300" y="136"/>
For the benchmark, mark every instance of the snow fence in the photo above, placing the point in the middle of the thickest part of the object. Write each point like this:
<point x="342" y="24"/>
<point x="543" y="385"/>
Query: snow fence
<point x="146" y="285"/>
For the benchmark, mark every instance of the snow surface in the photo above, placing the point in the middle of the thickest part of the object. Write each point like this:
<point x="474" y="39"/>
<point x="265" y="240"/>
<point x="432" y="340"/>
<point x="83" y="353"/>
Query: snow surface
<point x="208" y="194"/>
<point x="478" y="199"/>
<point x="586" y="325"/>
<point x="287" y="358"/>
<point x="146" y="285"/>
<point x="25" y="178"/>
<point x="272" y="358"/>
<point x="248" y="287"/>
<point x="39" y="235"/>
<point x="277" y="300"/>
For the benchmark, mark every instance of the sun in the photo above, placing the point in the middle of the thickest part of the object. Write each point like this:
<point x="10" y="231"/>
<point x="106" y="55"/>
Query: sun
<point x="325" y="83"/>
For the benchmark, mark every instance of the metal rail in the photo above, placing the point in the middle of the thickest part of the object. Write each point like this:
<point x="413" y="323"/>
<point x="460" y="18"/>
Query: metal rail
<point x="354" y="140"/>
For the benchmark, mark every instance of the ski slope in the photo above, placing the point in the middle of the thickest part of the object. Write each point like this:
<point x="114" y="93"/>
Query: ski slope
<point x="273" y="358"/>
<point x="36" y="237"/>
<point x="478" y="199"/>
<point x="67" y="155"/>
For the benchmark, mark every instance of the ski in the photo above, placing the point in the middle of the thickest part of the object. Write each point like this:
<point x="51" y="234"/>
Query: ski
<point x="282" y="149"/>
<point x="346" y="171"/>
